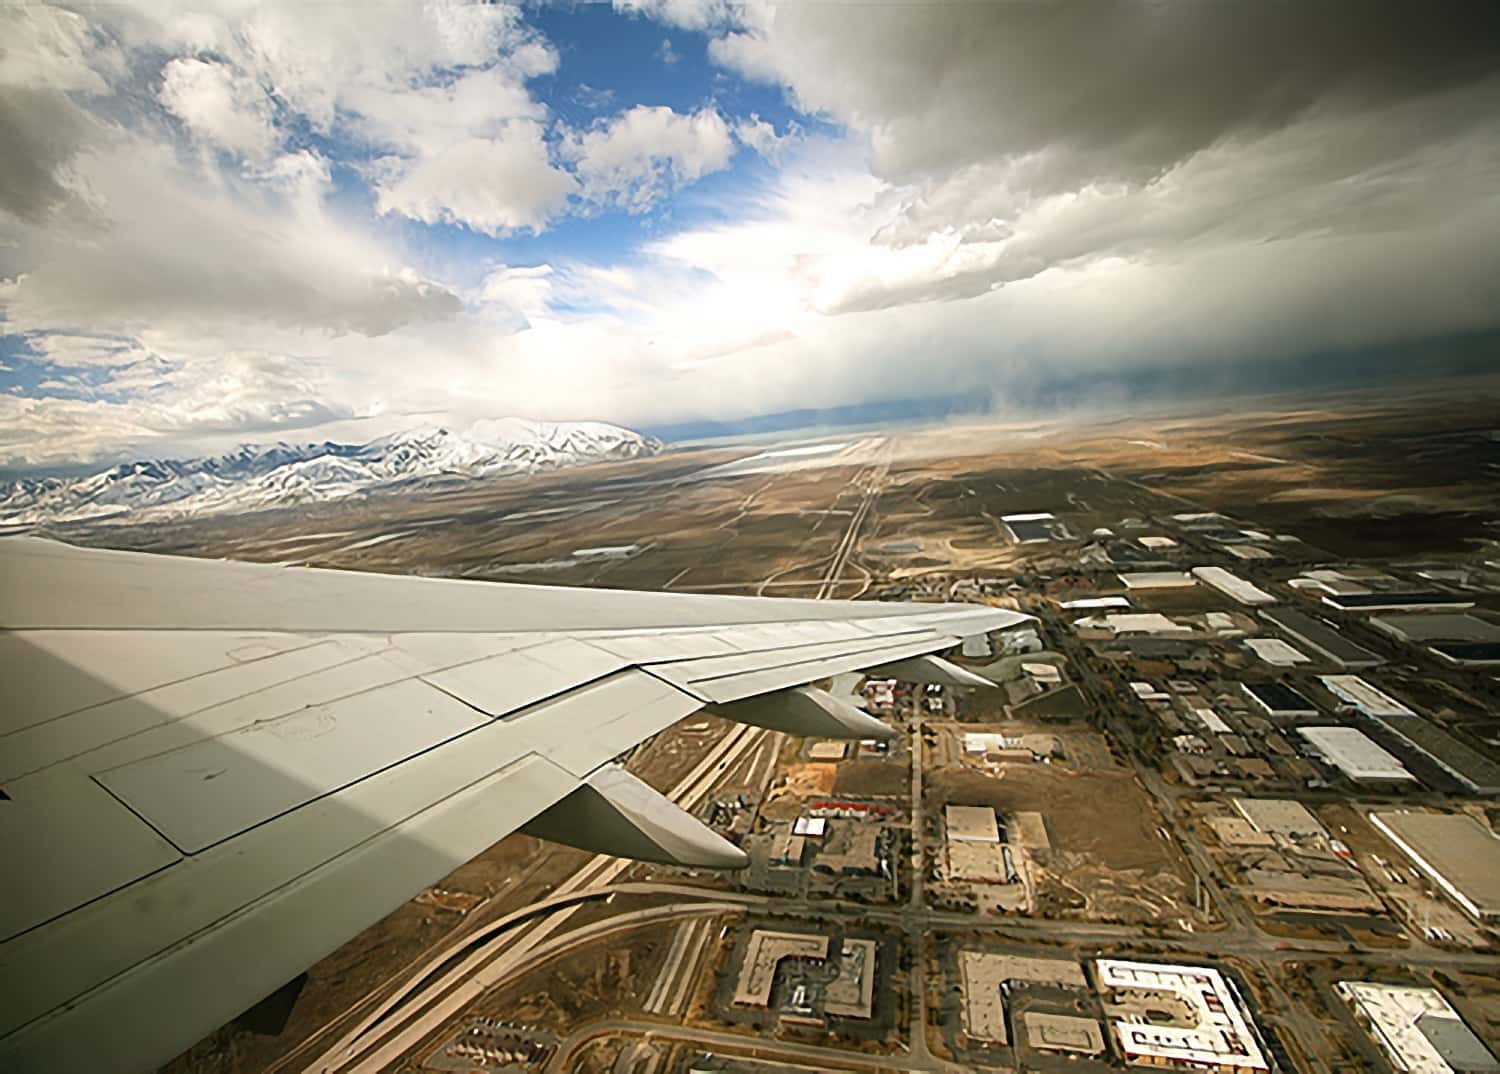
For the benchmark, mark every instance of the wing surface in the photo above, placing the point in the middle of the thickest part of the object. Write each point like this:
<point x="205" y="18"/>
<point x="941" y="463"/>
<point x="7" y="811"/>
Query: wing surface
<point x="215" y="773"/>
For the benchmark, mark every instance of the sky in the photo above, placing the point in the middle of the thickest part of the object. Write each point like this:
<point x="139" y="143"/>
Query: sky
<point x="226" y="222"/>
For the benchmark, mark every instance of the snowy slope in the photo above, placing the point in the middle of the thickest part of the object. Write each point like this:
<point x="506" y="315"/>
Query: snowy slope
<point x="283" y="475"/>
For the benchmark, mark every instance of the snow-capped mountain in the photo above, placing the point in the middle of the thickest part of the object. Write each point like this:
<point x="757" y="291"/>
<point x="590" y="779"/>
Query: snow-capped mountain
<point x="283" y="475"/>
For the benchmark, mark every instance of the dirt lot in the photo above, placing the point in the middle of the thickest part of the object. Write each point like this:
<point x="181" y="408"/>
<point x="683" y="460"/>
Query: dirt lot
<point x="873" y="779"/>
<point x="1107" y="862"/>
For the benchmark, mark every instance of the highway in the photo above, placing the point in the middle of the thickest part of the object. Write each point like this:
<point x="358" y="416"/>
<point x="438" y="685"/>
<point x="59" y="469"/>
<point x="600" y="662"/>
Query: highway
<point x="426" y="997"/>
<point x="433" y="991"/>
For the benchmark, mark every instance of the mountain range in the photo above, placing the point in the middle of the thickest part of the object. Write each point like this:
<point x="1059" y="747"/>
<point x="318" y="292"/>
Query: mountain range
<point x="254" y="478"/>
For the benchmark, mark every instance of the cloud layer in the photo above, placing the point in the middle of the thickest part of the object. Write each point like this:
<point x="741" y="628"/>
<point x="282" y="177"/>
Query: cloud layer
<point x="224" y="220"/>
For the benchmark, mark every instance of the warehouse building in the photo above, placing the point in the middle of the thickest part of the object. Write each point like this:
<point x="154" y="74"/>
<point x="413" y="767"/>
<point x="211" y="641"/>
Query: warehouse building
<point x="1232" y="586"/>
<point x="1280" y="816"/>
<point x="1417" y="1030"/>
<point x="1476" y="772"/>
<point x="764" y="954"/>
<point x="1461" y="855"/>
<point x="1353" y="753"/>
<point x="1278" y="699"/>
<point x="1353" y="690"/>
<point x="1426" y="600"/>
<point x="1204" y="1028"/>
<point x="1157" y="580"/>
<point x="1322" y="638"/>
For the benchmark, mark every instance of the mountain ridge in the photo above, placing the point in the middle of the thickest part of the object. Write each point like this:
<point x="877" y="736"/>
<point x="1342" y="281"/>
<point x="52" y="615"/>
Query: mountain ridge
<point x="261" y="477"/>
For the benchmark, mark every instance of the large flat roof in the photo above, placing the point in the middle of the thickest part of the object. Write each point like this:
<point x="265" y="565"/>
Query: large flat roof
<point x="1220" y="1035"/>
<point x="1355" y="754"/>
<point x="1379" y="602"/>
<point x="967" y="823"/>
<point x="1352" y="690"/>
<point x="1320" y="636"/>
<point x="1157" y="579"/>
<point x="1437" y="626"/>
<point x="1279" y="816"/>
<point x="764" y="953"/>
<point x="1460" y="854"/>
<point x="1416" y="1028"/>
<point x="1232" y="585"/>
<point x="1279" y="699"/>
<point x="1465" y="764"/>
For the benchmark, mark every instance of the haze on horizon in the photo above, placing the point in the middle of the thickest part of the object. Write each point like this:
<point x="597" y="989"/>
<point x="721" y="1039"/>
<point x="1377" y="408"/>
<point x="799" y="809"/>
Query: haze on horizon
<point x="233" y="221"/>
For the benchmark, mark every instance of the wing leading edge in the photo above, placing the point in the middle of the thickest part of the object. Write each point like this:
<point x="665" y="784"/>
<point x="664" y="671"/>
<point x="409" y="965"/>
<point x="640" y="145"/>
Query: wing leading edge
<point x="216" y="773"/>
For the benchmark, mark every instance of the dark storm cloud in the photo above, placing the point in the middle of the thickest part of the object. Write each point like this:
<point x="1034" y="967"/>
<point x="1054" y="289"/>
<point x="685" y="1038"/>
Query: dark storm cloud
<point x="40" y="132"/>
<point x="1124" y="89"/>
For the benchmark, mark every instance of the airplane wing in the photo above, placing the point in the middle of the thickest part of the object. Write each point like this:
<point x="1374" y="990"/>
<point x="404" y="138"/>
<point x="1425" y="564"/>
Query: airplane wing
<point x="212" y="774"/>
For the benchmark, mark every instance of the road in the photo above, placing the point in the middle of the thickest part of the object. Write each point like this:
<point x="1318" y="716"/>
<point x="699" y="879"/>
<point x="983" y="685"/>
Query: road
<point x="426" y="996"/>
<point x="434" y="991"/>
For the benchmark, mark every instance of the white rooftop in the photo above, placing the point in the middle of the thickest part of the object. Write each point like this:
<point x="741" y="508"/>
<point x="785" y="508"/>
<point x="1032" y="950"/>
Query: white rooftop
<point x="1095" y="602"/>
<point x="1355" y="754"/>
<point x="1232" y="585"/>
<point x="1353" y="690"/>
<point x="1276" y="652"/>
<point x="1221" y="1037"/>
<point x="1156" y="579"/>
<point x="1402" y="1019"/>
<point x="1136" y="623"/>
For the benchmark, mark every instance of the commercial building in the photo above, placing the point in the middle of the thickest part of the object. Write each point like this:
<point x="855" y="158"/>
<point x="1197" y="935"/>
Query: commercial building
<point x="763" y="956"/>
<point x="1276" y="652"/>
<point x="1353" y="690"/>
<point x="1157" y="580"/>
<point x="1417" y="1030"/>
<point x="971" y="824"/>
<point x="1468" y="766"/>
<point x="1128" y="624"/>
<point x="1204" y="1028"/>
<point x="1437" y="626"/>
<point x="1094" y="602"/>
<point x="1063" y="1033"/>
<point x="1280" y="816"/>
<point x="1278" y="699"/>
<point x="1035" y="526"/>
<point x="1353" y="752"/>
<point x="1232" y="586"/>
<point x="1411" y="601"/>
<point x="1322" y="638"/>
<point x="984" y="976"/>
<point x="852" y="993"/>
<point x="810" y="827"/>
<point x="1461" y="855"/>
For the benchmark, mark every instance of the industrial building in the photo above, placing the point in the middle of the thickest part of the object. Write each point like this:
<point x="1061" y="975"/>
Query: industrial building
<point x="1207" y="1028"/>
<point x="1417" y="1030"/>
<point x="1355" y="691"/>
<point x="1232" y="586"/>
<point x="852" y="993"/>
<point x="1280" y="816"/>
<point x="1461" y="855"/>
<point x="1276" y="652"/>
<point x="1157" y="580"/>
<point x="1425" y="600"/>
<point x="1278" y="699"/>
<point x="1063" y="1033"/>
<point x="1134" y="624"/>
<point x="1322" y="638"/>
<point x="763" y="956"/>
<point x="1353" y="753"/>
<point x="1436" y="626"/>
<point x="985" y="975"/>
<point x="1468" y="766"/>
